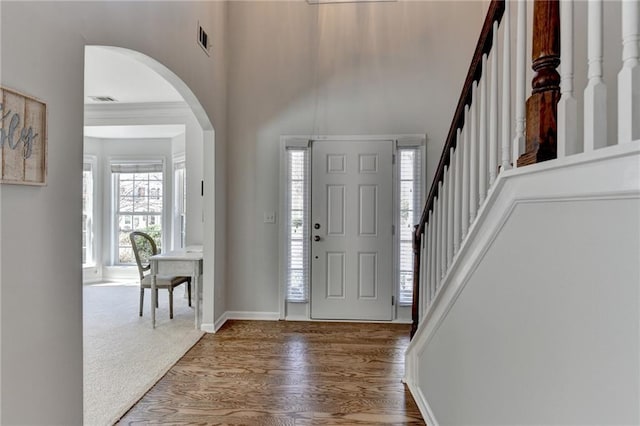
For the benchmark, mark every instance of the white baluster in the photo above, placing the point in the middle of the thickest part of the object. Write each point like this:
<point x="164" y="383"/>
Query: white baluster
<point x="450" y="207"/>
<point x="506" y="89"/>
<point x="521" y="76"/>
<point x="464" y="204"/>
<point x="445" y="216"/>
<point x="439" y="237"/>
<point x="595" y="95"/>
<point x="629" y="76"/>
<point x="424" y="274"/>
<point x="567" y="106"/>
<point x="493" y="109"/>
<point x="432" y="255"/>
<point x="473" y="155"/>
<point x="482" y="142"/>
<point x="457" y="193"/>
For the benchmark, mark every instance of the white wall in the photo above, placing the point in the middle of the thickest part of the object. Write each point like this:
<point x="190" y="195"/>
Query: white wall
<point x="371" y="68"/>
<point x="42" y="55"/>
<point x="550" y="335"/>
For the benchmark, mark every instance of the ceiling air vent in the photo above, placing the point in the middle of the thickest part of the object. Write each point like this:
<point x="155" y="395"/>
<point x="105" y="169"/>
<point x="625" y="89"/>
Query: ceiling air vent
<point x="102" y="99"/>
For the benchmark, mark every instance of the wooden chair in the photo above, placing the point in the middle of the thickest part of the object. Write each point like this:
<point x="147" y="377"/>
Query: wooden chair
<point x="143" y="248"/>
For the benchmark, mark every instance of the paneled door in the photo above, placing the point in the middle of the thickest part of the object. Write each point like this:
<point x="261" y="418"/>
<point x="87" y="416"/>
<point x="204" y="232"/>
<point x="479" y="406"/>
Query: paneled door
<point x="351" y="230"/>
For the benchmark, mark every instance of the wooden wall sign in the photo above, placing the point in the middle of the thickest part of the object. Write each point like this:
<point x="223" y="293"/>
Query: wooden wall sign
<point x="23" y="139"/>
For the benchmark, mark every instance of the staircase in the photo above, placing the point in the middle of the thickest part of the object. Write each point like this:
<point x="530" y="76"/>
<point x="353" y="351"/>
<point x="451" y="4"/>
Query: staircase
<point x="527" y="256"/>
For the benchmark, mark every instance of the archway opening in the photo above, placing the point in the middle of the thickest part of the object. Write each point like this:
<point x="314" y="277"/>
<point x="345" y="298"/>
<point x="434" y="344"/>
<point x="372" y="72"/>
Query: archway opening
<point x="146" y="140"/>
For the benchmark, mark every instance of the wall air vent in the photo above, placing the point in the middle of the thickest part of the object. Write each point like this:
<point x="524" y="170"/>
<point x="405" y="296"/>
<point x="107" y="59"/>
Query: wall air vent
<point x="203" y="39"/>
<point x="103" y="99"/>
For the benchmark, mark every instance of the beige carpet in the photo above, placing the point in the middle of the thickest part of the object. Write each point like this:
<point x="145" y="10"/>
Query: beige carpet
<point x="123" y="356"/>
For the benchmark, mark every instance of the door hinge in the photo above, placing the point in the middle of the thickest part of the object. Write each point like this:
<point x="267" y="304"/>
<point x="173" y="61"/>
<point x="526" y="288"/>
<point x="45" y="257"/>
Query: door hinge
<point x="393" y="159"/>
<point x="393" y="300"/>
<point x="393" y="230"/>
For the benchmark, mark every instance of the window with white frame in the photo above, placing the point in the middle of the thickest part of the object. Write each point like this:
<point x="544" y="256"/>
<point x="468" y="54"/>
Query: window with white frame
<point x="409" y="185"/>
<point x="297" y="225"/>
<point x="88" y="170"/>
<point x="180" y="203"/>
<point x="138" y="204"/>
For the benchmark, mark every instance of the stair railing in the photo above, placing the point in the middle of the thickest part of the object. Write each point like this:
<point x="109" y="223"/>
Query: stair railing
<point x="487" y="138"/>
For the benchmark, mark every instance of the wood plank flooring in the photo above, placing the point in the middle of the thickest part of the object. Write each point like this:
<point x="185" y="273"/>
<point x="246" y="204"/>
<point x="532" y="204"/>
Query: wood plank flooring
<point x="286" y="373"/>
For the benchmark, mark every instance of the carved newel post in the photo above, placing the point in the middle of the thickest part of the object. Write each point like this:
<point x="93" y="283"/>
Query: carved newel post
<point x="541" y="132"/>
<point x="415" y="308"/>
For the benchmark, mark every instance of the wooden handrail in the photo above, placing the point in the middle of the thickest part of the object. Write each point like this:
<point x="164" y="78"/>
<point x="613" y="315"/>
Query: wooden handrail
<point x="485" y="43"/>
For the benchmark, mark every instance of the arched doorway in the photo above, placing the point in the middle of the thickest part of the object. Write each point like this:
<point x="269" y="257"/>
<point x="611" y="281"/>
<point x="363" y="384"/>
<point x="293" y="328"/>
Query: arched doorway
<point x="166" y="113"/>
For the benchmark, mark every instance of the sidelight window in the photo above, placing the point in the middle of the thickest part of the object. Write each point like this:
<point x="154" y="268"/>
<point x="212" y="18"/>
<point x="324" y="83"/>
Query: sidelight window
<point x="409" y="182"/>
<point x="297" y="225"/>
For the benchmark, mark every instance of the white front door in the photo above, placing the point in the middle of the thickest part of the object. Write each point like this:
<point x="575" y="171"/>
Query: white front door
<point x="351" y="230"/>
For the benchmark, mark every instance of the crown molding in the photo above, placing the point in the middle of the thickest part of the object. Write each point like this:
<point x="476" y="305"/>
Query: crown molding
<point x="129" y="111"/>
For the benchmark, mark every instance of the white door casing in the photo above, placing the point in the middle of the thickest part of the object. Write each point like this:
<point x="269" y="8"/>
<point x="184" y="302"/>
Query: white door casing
<point x="352" y="203"/>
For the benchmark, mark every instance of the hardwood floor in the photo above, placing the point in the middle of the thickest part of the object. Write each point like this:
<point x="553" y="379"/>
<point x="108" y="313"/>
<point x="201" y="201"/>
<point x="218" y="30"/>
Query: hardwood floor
<point x="286" y="373"/>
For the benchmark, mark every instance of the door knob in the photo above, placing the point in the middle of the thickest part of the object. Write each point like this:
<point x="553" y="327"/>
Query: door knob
<point x="316" y="238"/>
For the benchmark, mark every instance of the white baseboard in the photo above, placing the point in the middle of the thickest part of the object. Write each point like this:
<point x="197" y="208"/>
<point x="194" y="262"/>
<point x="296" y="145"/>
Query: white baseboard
<point x="220" y="322"/>
<point x="208" y="328"/>
<point x="255" y="316"/>
<point x="423" y="405"/>
<point x="240" y="315"/>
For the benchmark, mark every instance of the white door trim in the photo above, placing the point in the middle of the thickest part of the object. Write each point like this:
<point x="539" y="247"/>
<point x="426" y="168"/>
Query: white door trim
<point x="298" y="140"/>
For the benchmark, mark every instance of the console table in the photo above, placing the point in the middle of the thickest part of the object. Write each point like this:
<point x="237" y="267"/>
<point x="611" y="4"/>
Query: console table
<point x="175" y="263"/>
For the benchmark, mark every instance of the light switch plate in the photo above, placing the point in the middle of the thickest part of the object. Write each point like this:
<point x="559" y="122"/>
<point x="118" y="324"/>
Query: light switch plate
<point x="269" y="217"/>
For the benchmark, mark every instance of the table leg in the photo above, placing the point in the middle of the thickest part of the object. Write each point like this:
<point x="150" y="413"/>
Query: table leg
<point x="154" y="294"/>
<point x="196" y="285"/>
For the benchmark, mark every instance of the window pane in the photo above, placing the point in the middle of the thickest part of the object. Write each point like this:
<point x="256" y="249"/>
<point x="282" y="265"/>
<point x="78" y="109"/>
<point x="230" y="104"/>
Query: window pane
<point x="406" y="227"/>
<point x="126" y="204"/>
<point x="141" y="204"/>
<point x="141" y="188"/>
<point x="296" y="230"/>
<point x="297" y="195"/>
<point x="126" y="186"/>
<point x="125" y="223"/>
<point x="409" y="190"/>
<point x="406" y="288"/>
<point x="155" y="205"/>
<point x="406" y="256"/>
<point x="140" y="194"/>
<point x="296" y="257"/>
<point x="297" y="216"/>
<point x="406" y="164"/>
<point x="123" y="239"/>
<point x="125" y="255"/>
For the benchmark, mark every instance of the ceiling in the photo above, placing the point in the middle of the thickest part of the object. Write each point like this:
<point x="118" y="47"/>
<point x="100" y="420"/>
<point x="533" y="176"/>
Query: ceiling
<point x="111" y="73"/>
